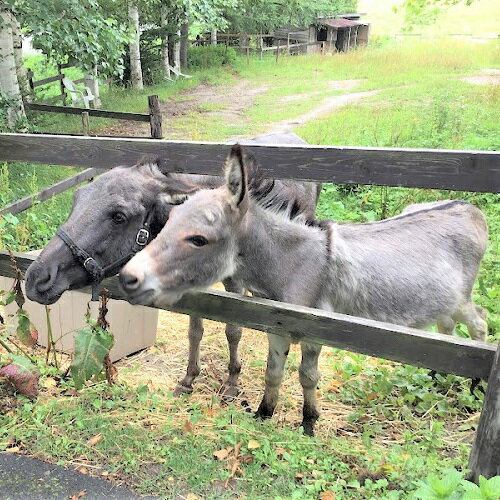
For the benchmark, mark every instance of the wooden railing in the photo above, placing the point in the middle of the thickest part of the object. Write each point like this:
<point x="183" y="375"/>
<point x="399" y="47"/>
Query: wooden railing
<point x="453" y="170"/>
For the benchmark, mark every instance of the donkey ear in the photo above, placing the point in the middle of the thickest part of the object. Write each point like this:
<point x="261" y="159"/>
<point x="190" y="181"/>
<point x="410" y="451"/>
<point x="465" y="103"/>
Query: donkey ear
<point x="177" y="190"/>
<point x="236" y="181"/>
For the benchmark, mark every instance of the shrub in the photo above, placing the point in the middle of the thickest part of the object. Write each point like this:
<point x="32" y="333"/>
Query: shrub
<point x="210" y="55"/>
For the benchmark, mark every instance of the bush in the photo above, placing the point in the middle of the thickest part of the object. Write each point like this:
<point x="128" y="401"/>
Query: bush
<point x="210" y="56"/>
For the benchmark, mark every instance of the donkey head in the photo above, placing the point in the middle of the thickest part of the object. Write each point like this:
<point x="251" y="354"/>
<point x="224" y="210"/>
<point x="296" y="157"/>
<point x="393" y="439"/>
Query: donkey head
<point x="197" y="247"/>
<point x="106" y="217"/>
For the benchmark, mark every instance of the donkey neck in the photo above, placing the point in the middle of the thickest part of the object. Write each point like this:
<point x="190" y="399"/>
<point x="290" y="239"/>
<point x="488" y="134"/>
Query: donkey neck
<point x="280" y="259"/>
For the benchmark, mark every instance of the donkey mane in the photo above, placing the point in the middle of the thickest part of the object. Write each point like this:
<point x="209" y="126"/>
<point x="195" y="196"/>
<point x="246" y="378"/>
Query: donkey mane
<point x="280" y="201"/>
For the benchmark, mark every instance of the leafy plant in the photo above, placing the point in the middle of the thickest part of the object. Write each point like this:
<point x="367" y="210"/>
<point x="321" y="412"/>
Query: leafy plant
<point x="453" y="486"/>
<point x="92" y="346"/>
<point x="210" y="55"/>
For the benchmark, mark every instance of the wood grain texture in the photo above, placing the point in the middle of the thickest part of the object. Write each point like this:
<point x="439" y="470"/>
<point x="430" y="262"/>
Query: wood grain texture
<point x="155" y="117"/>
<point x="457" y="170"/>
<point x="485" y="455"/>
<point x="445" y="354"/>
<point x="47" y="193"/>
<point x="45" y="81"/>
<point x="101" y="113"/>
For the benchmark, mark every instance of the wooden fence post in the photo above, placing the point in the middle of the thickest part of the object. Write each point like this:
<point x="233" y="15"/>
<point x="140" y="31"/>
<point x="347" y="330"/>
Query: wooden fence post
<point x="61" y="84"/>
<point x="485" y="455"/>
<point x="86" y="123"/>
<point x="278" y="50"/>
<point x="155" y="117"/>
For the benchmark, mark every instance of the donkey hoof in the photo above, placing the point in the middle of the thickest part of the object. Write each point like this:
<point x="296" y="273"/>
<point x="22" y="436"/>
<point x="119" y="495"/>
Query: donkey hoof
<point x="263" y="413"/>
<point x="308" y="427"/>
<point x="229" y="392"/>
<point x="182" y="389"/>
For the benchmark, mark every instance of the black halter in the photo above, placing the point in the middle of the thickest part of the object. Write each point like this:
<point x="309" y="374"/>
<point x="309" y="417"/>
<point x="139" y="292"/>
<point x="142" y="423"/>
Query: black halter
<point x="97" y="272"/>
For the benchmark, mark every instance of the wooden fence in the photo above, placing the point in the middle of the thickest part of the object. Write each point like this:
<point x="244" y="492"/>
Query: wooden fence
<point x="51" y="79"/>
<point x="153" y="117"/>
<point x="464" y="170"/>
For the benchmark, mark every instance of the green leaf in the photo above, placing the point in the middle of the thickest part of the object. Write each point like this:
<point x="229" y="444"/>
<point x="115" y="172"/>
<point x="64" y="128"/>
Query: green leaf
<point x="91" y="346"/>
<point x="11" y="296"/>
<point x="26" y="332"/>
<point x="11" y="219"/>
<point x="490" y="488"/>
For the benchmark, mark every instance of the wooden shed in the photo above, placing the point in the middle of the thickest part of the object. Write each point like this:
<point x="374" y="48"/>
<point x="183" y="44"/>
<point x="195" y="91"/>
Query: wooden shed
<point x="327" y="34"/>
<point x="339" y="34"/>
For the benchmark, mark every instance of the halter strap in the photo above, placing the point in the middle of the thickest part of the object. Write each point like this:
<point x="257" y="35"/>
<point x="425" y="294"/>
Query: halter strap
<point x="97" y="272"/>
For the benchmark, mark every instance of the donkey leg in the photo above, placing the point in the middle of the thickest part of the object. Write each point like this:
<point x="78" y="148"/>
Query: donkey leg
<point x="233" y="335"/>
<point x="474" y="318"/>
<point x="309" y="378"/>
<point x="276" y="358"/>
<point x="195" y="334"/>
<point x="446" y="326"/>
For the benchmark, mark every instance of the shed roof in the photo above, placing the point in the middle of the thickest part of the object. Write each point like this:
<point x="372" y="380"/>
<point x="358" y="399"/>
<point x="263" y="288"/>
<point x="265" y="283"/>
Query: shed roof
<point x="338" y="23"/>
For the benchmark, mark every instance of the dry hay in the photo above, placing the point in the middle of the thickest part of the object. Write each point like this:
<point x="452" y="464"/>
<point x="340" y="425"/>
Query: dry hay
<point x="161" y="366"/>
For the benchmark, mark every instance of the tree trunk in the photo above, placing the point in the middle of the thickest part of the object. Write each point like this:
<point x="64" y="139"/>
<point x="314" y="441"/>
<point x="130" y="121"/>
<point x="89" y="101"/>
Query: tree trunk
<point x="184" y="44"/>
<point x="22" y="75"/>
<point x="213" y="37"/>
<point x="177" y="51"/>
<point x="9" y="85"/>
<point x="165" y="59"/>
<point x="134" y="47"/>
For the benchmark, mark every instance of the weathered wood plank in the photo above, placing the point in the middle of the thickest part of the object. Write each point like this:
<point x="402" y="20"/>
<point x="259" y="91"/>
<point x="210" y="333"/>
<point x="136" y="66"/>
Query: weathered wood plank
<point x="485" y="455"/>
<point x="441" y="169"/>
<point x="438" y="352"/>
<point x="155" y="117"/>
<point x="100" y="113"/>
<point x="47" y="193"/>
<point x="45" y="81"/>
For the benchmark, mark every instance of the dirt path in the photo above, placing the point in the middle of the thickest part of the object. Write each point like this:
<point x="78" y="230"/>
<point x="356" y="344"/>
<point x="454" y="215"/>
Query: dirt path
<point x="325" y="107"/>
<point x="486" y="77"/>
<point x="210" y="101"/>
<point x="228" y="104"/>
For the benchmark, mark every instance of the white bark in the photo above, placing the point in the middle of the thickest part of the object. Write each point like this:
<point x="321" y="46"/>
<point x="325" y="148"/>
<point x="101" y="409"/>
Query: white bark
<point x="164" y="46"/>
<point x="9" y="86"/>
<point x="135" y="51"/>
<point x="22" y="75"/>
<point x="177" y="51"/>
<point x="213" y="37"/>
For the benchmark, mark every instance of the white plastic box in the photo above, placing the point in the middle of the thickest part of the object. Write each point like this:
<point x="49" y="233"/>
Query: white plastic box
<point x="134" y="327"/>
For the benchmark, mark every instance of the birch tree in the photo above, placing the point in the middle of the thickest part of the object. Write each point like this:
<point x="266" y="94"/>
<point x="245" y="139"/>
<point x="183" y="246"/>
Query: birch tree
<point x="164" y="43"/>
<point x="134" y="47"/>
<point x="9" y="85"/>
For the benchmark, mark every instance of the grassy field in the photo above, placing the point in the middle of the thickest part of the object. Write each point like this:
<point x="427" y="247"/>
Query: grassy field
<point x="384" y="426"/>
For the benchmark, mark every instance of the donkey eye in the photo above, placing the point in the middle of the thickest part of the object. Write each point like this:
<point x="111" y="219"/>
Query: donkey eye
<point x="119" y="218"/>
<point x="197" y="241"/>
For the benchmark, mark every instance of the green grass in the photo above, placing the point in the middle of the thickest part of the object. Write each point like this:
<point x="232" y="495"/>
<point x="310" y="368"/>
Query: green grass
<point x="165" y="446"/>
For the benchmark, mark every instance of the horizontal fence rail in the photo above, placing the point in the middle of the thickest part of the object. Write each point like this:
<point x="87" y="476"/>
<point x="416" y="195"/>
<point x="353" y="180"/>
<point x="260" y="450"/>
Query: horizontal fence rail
<point x="100" y="113"/>
<point x="424" y="168"/>
<point x="49" y="192"/>
<point x="445" y="354"/>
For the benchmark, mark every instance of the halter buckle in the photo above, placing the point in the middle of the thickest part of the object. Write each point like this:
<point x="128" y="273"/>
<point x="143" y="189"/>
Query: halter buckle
<point x="142" y="237"/>
<point x="90" y="265"/>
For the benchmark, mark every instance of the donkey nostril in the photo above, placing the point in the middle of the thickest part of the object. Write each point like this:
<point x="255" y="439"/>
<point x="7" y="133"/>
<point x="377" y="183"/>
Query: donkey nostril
<point x="44" y="279"/>
<point x="129" y="281"/>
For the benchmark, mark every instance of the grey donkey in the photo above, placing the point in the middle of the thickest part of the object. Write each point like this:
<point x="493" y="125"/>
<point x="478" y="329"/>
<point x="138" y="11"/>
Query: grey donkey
<point x="415" y="269"/>
<point x="109" y="216"/>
